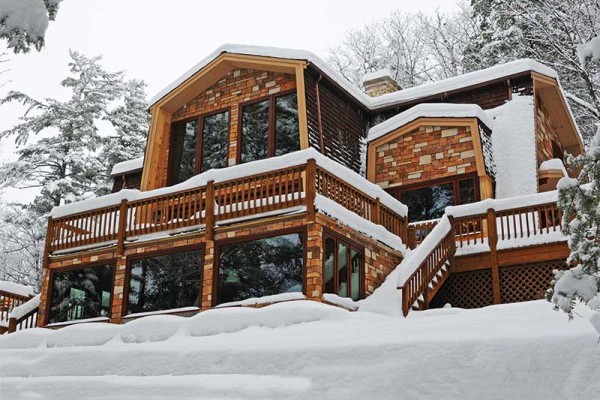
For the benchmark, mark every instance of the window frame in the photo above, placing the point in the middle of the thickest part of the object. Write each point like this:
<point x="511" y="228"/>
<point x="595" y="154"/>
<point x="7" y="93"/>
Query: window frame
<point x="352" y="245"/>
<point x="199" y="139"/>
<point x="302" y="231"/>
<point x="455" y="180"/>
<point x="53" y="271"/>
<point x="271" y="145"/>
<point x="138" y="256"/>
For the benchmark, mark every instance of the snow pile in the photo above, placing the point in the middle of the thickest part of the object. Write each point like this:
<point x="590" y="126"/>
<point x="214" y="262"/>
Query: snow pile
<point x="513" y="140"/>
<point x="373" y="103"/>
<point x="127" y="166"/>
<point x="15" y="288"/>
<point x="587" y="50"/>
<point x="239" y="171"/>
<point x="513" y="351"/>
<point x="554" y="164"/>
<point x="345" y="302"/>
<point x="433" y="110"/>
<point x="264" y="300"/>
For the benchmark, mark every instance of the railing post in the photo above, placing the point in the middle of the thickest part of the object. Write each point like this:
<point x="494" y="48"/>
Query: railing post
<point x="48" y="242"/>
<point x="493" y="242"/>
<point x="405" y="305"/>
<point x="411" y="240"/>
<point x="122" y="227"/>
<point x="452" y="243"/>
<point x="404" y="230"/>
<point x="376" y="217"/>
<point x="209" y="212"/>
<point x="12" y="325"/>
<point x="311" y="189"/>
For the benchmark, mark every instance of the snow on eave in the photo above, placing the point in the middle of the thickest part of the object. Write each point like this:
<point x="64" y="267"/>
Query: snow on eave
<point x="382" y="73"/>
<point x="127" y="166"/>
<point x="431" y="110"/>
<point x="403" y="96"/>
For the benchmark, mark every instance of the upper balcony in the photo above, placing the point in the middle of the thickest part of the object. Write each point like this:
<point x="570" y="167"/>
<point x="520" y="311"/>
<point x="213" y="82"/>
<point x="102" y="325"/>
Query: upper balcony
<point x="299" y="182"/>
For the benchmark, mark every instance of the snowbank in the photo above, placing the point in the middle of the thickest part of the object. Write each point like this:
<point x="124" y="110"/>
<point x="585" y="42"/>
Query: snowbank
<point x="433" y="110"/>
<point x="127" y="166"/>
<point x="15" y="288"/>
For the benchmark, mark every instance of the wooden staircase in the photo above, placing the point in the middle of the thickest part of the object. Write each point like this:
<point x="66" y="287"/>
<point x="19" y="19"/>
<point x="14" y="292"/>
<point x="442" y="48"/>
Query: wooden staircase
<point x="422" y="302"/>
<point x="17" y="311"/>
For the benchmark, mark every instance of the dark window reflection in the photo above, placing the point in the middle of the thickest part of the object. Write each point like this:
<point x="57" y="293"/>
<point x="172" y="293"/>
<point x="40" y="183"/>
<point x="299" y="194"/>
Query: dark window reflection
<point x="183" y="151"/>
<point x="81" y="294"/>
<point x="260" y="267"/>
<point x="287" y="131"/>
<point x="165" y="282"/>
<point x="215" y="136"/>
<point x="255" y="131"/>
<point x="330" y="267"/>
<point x="466" y="189"/>
<point x="428" y="202"/>
<point x="342" y="269"/>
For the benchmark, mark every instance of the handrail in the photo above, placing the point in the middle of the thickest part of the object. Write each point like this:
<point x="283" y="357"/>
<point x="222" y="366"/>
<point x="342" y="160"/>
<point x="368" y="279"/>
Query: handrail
<point x="24" y="316"/>
<point x="225" y="201"/>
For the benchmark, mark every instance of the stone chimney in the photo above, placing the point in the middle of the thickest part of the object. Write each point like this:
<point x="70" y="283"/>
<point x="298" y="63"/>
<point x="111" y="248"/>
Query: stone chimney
<point x="380" y="82"/>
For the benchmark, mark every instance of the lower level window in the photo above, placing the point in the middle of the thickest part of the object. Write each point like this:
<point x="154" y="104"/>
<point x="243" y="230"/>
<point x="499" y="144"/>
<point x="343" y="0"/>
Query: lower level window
<point x="343" y="265"/>
<point x="429" y="202"/>
<point x="81" y="293"/>
<point x="261" y="267"/>
<point x="164" y="282"/>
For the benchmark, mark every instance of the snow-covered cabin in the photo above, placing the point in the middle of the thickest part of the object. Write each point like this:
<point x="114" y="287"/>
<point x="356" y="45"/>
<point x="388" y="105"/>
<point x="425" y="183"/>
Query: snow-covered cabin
<point x="269" y="177"/>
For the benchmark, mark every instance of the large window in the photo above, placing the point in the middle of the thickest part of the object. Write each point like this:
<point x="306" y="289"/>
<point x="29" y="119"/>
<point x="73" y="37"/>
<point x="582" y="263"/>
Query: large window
<point x="343" y="264"/>
<point x="81" y="293"/>
<point x="269" y="127"/>
<point x="261" y="267"/>
<point x="191" y="153"/>
<point x="429" y="202"/>
<point x="164" y="282"/>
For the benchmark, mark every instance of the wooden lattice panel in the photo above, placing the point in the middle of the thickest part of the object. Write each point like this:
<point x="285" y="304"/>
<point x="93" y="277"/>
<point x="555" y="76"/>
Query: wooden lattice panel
<point x="466" y="290"/>
<point x="528" y="281"/>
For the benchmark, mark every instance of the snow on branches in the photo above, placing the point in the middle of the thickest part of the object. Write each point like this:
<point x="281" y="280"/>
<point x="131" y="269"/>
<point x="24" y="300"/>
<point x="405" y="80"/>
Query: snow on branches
<point x="23" y="23"/>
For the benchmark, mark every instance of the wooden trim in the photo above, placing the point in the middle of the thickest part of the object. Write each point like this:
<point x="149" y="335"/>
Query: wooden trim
<point x="407" y="128"/>
<point x="477" y="147"/>
<point x="52" y="271"/>
<point x="173" y="250"/>
<point x="160" y="124"/>
<point x="319" y="116"/>
<point x="302" y="230"/>
<point x="302" y="113"/>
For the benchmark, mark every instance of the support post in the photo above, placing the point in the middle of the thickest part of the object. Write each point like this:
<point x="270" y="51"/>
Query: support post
<point x="48" y="242"/>
<point x="209" y="210"/>
<point x="493" y="242"/>
<point x="376" y="217"/>
<point x="12" y="325"/>
<point x="311" y="189"/>
<point x="122" y="227"/>
<point x="411" y="240"/>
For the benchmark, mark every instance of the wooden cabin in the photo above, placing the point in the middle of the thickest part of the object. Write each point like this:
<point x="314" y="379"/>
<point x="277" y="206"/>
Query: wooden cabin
<point x="268" y="177"/>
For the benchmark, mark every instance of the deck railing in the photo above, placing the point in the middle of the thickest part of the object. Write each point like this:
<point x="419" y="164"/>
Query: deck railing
<point x="17" y="312"/>
<point x="504" y="224"/>
<point x="217" y="203"/>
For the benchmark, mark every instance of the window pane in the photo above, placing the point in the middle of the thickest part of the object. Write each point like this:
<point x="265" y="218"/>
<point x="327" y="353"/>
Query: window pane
<point x="428" y="202"/>
<point x="183" y="157"/>
<point x="342" y="270"/>
<point x="287" y="132"/>
<point x="255" y="131"/>
<point x="81" y="294"/>
<point x="165" y="282"/>
<point x="355" y="274"/>
<point x="329" y="265"/>
<point x="466" y="189"/>
<point x="260" y="267"/>
<point x="215" y="136"/>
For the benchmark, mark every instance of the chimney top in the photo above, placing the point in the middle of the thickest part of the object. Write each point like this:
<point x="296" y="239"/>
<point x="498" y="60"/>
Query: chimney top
<point x="380" y="82"/>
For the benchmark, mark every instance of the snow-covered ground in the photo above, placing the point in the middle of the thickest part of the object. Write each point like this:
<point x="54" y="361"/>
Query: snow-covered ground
<point x="304" y="350"/>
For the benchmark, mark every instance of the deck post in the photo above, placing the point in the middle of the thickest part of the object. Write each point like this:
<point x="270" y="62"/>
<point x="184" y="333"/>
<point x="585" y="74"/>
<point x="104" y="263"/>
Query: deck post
<point x="311" y="189"/>
<point x="209" y="210"/>
<point x="12" y="325"/>
<point x="48" y="242"/>
<point x="492" y="242"/>
<point x="376" y="217"/>
<point x="122" y="227"/>
<point x="411" y="240"/>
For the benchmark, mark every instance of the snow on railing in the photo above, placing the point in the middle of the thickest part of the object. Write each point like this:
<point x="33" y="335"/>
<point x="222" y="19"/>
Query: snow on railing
<point x="18" y="309"/>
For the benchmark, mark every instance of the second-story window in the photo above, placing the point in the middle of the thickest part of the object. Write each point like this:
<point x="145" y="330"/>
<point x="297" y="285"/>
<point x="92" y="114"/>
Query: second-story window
<point x="269" y="127"/>
<point x="192" y="153"/>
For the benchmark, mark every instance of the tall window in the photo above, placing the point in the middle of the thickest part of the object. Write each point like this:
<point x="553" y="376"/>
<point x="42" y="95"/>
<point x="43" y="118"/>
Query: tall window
<point x="429" y="202"/>
<point x="343" y="265"/>
<point x="191" y="153"/>
<point x="269" y="128"/>
<point x="164" y="282"/>
<point x="81" y="293"/>
<point x="260" y="267"/>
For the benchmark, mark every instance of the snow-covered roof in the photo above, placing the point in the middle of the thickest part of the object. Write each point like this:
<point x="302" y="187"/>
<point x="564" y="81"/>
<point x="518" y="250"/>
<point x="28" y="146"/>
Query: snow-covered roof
<point x="432" y="110"/>
<point x="371" y="76"/>
<point x="127" y="166"/>
<point x="390" y="99"/>
<point x="239" y="171"/>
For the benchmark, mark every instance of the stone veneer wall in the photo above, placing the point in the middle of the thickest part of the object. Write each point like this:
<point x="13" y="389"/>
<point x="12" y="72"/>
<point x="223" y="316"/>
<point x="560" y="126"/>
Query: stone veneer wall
<point x="545" y="134"/>
<point x="426" y="153"/>
<point x="238" y="86"/>
<point x="379" y="259"/>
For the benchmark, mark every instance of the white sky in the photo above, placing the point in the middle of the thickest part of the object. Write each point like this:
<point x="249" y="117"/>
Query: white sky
<point x="157" y="40"/>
